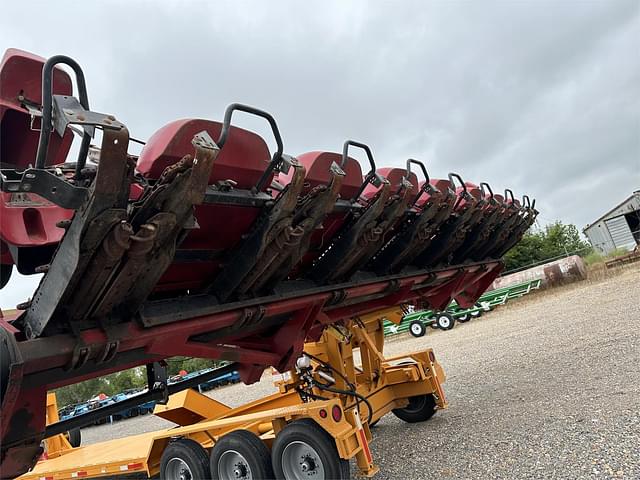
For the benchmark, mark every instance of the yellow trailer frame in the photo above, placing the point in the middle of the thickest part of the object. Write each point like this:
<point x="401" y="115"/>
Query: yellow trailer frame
<point x="387" y="384"/>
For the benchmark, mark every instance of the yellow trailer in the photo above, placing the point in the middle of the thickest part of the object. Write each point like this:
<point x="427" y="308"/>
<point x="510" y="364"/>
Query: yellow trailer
<point x="317" y="421"/>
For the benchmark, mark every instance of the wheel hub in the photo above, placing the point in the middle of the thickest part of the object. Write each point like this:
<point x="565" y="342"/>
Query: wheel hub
<point x="178" y="469"/>
<point x="240" y="471"/>
<point x="301" y="461"/>
<point x="233" y="464"/>
<point x="307" y="465"/>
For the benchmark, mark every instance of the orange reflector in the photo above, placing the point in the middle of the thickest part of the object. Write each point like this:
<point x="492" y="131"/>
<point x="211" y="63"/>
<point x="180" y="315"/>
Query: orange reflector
<point x="365" y="445"/>
<point x="432" y="356"/>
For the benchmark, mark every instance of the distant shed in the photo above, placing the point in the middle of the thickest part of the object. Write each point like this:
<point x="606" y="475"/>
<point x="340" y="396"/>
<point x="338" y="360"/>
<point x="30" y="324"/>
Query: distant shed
<point x="618" y="228"/>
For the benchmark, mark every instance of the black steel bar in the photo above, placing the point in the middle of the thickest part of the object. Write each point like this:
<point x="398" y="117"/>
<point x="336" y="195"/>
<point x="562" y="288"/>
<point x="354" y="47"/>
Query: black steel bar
<point x="226" y="126"/>
<point x="482" y="189"/>
<point x="426" y="185"/>
<point x="369" y="177"/>
<point x="47" y="109"/>
<point x="510" y="192"/>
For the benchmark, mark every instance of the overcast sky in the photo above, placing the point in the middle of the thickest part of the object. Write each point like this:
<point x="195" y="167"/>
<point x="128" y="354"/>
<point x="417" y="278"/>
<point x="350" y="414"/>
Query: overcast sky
<point x="541" y="97"/>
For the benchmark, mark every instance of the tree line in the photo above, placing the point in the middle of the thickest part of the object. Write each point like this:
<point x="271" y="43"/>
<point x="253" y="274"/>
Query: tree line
<point x="125" y="380"/>
<point x="539" y="245"/>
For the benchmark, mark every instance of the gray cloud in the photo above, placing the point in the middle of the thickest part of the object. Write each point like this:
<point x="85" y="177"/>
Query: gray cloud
<point x="543" y="97"/>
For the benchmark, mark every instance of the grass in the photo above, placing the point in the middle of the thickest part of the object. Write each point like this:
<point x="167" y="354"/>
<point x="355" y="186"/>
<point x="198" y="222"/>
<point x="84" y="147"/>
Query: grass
<point x="595" y="257"/>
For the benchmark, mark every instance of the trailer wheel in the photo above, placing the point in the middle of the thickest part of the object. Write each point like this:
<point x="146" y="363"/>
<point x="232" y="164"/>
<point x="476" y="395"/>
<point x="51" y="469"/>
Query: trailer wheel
<point x="420" y="409"/>
<point x="417" y="328"/>
<point x="476" y="314"/>
<point x="465" y="317"/>
<point x="304" y="450"/>
<point x="184" y="459"/>
<point x="74" y="437"/>
<point x="445" y="321"/>
<point x="240" y="455"/>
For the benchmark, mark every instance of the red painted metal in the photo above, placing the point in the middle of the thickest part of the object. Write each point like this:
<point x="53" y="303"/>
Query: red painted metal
<point x="180" y="314"/>
<point x="27" y="219"/>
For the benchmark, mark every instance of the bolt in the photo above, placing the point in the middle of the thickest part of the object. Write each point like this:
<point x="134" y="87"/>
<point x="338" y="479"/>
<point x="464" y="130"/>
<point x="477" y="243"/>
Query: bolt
<point x="23" y="305"/>
<point x="63" y="224"/>
<point x="81" y="117"/>
<point x="42" y="268"/>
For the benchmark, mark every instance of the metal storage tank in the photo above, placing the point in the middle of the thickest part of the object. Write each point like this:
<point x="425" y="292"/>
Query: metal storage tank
<point x="618" y="228"/>
<point x="558" y="272"/>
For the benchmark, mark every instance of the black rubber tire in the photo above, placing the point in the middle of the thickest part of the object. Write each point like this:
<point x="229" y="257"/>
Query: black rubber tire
<point x="75" y="437"/>
<point x="465" y="317"/>
<point x="420" y="409"/>
<point x="308" y="431"/>
<point x="5" y="273"/>
<point x="419" y="328"/>
<point x="191" y="453"/>
<point x="447" y="324"/>
<point x="476" y="314"/>
<point x="250" y="447"/>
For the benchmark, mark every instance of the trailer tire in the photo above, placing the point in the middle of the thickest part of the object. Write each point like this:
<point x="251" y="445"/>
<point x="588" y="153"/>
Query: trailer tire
<point x="74" y="437"/>
<point x="184" y="458"/>
<point x="241" y="450"/>
<point x="465" y="317"/>
<point x="306" y="439"/>
<point x="420" y="409"/>
<point x="417" y="328"/>
<point x="445" y="321"/>
<point x="476" y="314"/>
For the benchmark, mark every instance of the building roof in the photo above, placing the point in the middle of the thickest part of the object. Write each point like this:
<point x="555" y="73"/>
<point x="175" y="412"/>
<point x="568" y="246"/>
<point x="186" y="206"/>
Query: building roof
<point x="602" y="217"/>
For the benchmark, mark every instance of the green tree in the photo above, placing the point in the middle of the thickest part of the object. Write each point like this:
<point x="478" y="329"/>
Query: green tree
<point x="79" y="392"/>
<point x="189" y="364"/>
<point x="555" y="240"/>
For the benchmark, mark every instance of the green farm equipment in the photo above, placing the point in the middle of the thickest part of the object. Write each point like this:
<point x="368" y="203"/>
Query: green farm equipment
<point x="416" y="322"/>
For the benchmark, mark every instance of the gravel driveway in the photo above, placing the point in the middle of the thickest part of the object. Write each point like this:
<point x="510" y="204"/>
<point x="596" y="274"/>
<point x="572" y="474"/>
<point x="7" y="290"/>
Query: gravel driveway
<point x="546" y="387"/>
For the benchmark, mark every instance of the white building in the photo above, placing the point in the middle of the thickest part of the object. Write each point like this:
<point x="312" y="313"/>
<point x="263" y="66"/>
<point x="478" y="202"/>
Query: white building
<point x="618" y="228"/>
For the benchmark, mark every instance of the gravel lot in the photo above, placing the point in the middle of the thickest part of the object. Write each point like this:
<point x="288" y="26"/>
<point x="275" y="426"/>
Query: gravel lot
<point x="545" y="387"/>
